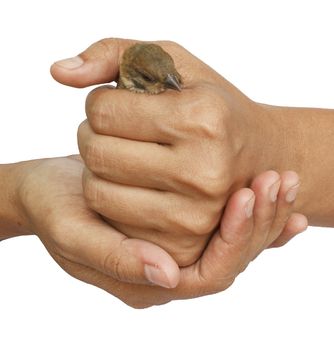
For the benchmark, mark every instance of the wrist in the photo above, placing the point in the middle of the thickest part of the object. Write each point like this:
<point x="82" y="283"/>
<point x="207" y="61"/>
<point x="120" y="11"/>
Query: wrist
<point x="13" y="220"/>
<point x="281" y="139"/>
<point x="263" y="137"/>
<point x="280" y="144"/>
<point x="301" y="139"/>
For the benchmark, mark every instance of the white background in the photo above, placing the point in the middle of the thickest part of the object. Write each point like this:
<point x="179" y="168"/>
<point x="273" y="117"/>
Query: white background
<point x="277" y="52"/>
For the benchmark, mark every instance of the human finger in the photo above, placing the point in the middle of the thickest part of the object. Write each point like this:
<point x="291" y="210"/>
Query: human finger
<point x="100" y="247"/>
<point x="128" y="161"/>
<point x="296" y="224"/>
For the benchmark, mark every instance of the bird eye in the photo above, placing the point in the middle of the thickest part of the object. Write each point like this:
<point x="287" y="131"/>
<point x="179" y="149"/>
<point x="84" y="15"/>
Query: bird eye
<point x="147" y="78"/>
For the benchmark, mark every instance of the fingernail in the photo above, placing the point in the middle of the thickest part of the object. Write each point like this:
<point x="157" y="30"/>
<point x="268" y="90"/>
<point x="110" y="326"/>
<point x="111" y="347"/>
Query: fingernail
<point x="273" y="191"/>
<point x="292" y="193"/>
<point x="71" y="63"/>
<point x="156" y="276"/>
<point x="249" y="207"/>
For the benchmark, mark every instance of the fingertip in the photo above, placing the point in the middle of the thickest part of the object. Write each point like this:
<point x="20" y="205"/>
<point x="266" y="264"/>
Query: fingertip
<point x="296" y="224"/>
<point x="90" y="72"/>
<point x="159" y="267"/>
<point x="290" y="176"/>
<point x="303" y="222"/>
<point x="158" y="276"/>
<point x="241" y="196"/>
<point x="249" y="207"/>
<point x="70" y="63"/>
<point x="98" y="64"/>
<point x="241" y="202"/>
<point x="173" y="274"/>
<point x="237" y="219"/>
<point x="265" y="179"/>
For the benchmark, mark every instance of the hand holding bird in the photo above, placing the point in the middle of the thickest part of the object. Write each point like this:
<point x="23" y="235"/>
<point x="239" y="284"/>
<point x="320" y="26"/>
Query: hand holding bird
<point x="161" y="168"/>
<point x="164" y="165"/>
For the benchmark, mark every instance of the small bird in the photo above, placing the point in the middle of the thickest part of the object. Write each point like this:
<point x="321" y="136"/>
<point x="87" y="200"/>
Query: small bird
<point x="148" y="68"/>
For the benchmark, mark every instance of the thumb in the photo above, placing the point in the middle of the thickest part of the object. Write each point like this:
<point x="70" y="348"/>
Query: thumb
<point x="102" y="248"/>
<point x="96" y="65"/>
<point x="226" y="251"/>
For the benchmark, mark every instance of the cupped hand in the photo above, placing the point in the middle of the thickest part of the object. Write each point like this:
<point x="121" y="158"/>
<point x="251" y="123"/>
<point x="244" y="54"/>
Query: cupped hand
<point x="87" y="248"/>
<point x="77" y="237"/>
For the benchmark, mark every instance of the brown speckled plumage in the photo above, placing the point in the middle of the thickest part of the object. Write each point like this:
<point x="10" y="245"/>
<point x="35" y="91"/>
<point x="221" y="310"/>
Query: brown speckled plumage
<point x="148" y="68"/>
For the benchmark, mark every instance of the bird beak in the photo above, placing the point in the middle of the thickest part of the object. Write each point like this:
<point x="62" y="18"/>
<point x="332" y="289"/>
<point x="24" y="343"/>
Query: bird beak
<point x="172" y="82"/>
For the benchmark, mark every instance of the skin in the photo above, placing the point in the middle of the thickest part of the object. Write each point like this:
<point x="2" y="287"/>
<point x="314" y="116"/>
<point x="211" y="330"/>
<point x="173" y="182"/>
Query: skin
<point x="30" y="193"/>
<point x="179" y="156"/>
<point x="45" y="197"/>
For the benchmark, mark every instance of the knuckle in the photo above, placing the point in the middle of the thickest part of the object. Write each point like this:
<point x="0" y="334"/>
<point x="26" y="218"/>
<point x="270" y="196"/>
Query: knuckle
<point x="105" y="47"/>
<point x="90" y="103"/>
<point x="82" y="136"/>
<point x="97" y="111"/>
<point x="185" y="259"/>
<point x="93" y="155"/>
<point x="189" y="250"/>
<point x="209" y="180"/>
<point x="209" y="116"/>
<point x="212" y="182"/>
<point x="203" y="115"/>
<point x="198" y="129"/>
<point x="214" y="282"/>
<point x="91" y="190"/>
<point x="105" y="42"/>
<point x="215" y="188"/>
<point x="204" y="224"/>
<point x="170" y="44"/>
<point x="61" y="244"/>
<point x="198" y="223"/>
<point x="207" y="127"/>
<point x="112" y="263"/>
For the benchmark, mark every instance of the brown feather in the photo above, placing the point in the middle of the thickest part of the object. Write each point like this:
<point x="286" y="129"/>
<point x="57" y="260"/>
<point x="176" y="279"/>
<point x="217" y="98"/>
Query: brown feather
<point x="148" y="68"/>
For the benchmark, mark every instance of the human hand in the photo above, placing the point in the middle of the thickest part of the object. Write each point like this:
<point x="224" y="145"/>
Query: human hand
<point x="176" y="156"/>
<point x="51" y="198"/>
<point x="244" y="232"/>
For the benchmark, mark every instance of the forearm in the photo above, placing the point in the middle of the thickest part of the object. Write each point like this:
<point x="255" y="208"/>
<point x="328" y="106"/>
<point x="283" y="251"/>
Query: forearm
<point x="304" y="142"/>
<point x="12" y="218"/>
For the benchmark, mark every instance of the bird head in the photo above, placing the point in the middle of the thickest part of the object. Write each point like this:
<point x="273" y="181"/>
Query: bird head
<point x="148" y="68"/>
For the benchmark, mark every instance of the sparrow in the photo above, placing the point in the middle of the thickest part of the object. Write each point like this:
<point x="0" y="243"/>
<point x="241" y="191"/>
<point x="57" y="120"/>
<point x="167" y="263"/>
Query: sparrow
<point x="148" y="68"/>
